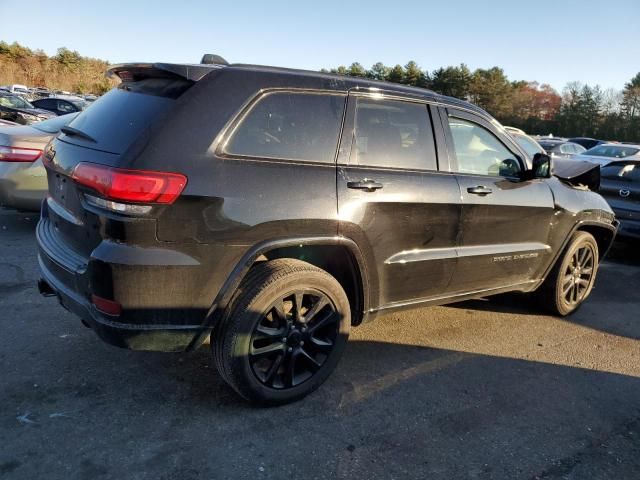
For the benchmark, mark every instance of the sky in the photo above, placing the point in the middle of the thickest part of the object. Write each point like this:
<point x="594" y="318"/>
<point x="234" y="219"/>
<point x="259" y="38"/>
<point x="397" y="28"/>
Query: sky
<point x="555" y="42"/>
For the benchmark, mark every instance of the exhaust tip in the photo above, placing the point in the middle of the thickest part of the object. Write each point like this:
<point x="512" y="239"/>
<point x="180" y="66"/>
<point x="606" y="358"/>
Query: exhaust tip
<point x="45" y="289"/>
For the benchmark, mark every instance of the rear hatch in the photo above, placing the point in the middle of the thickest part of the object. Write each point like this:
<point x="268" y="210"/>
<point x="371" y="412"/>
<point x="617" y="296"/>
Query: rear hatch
<point x="620" y="186"/>
<point x="109" y="134"/>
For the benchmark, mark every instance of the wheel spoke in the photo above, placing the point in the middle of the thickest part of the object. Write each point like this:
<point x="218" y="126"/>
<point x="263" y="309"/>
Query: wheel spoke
<point x="278" y="308"/>
<point x="313" y="363"/>
<point x="297" y="306"/>
<point x="327" y="319"/>
<point x="273" y="369"/>
<point x="268" y="333"/>
<point x="581" y="253"/>
<point x="587" y="271"/>
<point x="583" y="282"/>
<point x="313" y="311"/>
<point x="321" y="345"/>
<point x="290" y="369"/>
<point x="273" y="347"/>
<point x="566" y="288"/>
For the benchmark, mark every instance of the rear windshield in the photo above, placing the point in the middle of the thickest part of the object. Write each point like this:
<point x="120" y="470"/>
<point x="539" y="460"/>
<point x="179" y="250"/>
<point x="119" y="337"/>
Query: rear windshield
<point x="118" y="118"/>
<point x="549" y="145"/>
<point x="613" y="151"/>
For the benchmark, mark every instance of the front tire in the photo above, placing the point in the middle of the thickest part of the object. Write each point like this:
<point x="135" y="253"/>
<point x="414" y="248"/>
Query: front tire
<point x="572" y="278"/>
<point x="283" y="333"/>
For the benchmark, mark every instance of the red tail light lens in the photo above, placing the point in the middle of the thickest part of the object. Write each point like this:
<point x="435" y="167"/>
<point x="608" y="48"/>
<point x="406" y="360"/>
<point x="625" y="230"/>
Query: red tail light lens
<point x="110" y="307"/>
<point x="13" y="154"/>
<point x="138" y="186"/>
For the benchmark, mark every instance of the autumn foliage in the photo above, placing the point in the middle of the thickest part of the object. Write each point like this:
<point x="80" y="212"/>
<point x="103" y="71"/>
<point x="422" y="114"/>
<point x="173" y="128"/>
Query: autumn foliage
<point x="67" y="70"/>
<point x="581" y="110"/>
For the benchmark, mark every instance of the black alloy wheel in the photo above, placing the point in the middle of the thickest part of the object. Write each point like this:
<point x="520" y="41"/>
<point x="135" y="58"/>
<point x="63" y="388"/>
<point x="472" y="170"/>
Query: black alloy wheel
<point x="283" y="332"/>
<point x="294" y="338"/>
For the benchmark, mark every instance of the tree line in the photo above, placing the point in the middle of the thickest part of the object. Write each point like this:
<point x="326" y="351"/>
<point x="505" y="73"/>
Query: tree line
<point x="580" y="110"/>
<point x="67" y="70"/>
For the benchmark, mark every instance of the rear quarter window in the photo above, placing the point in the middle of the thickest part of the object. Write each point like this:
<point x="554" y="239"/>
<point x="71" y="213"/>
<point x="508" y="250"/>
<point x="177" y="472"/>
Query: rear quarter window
<point x="290" y="126"/>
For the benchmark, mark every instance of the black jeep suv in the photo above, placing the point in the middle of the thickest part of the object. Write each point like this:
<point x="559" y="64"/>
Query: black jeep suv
<point x="269" y="210"/>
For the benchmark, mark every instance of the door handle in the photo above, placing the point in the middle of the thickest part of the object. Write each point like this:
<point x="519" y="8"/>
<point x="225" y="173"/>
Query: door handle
<point x="366" y="184"/>
<point x="479" y="190"/>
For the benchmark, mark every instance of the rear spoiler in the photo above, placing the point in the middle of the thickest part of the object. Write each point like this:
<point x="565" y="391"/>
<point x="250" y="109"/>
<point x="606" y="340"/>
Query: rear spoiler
<point x="129" y="72"/>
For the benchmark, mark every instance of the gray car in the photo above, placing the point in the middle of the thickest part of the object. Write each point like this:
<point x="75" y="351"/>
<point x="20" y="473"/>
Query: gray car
<point x="23" y="180"/>
<point x="620" y="186"/>
<point x="561" y="148"/>
<point x="610" y="152"/>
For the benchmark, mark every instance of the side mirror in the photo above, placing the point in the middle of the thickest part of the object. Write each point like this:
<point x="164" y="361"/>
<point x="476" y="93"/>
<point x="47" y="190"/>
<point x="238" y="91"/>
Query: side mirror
<point x="541" y="166"/>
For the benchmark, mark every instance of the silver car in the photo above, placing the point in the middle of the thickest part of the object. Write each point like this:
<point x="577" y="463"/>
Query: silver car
<point x="608" y="152"/>
<point x="23" y="180"/>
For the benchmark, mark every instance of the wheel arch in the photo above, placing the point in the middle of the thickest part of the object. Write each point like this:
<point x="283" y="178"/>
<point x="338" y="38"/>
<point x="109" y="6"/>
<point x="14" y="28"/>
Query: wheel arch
<point x="604" y="235"/>
<point x="339" y="256"/>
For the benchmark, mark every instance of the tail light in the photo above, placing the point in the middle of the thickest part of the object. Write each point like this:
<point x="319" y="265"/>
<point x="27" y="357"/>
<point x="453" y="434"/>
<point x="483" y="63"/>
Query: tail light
<point x="135" y="186"/>
<point x="110" y="307"/>
<point x="13" y="154"/>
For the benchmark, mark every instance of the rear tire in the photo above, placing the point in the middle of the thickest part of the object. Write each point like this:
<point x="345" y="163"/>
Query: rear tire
<point x="283" y="333"/>
<point x="571" y="280"/>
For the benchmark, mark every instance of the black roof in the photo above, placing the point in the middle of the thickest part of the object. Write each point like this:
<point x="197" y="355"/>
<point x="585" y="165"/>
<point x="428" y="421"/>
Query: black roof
<point x="196" y="72"/>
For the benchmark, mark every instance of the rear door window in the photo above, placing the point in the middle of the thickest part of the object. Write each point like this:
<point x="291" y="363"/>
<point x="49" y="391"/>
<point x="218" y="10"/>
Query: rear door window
<point x="290" y="126"/>
<point x="391" y="133"/>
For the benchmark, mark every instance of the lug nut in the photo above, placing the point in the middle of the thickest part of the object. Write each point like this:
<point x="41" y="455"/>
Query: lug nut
<point x="289" y="349"/>
<point x="301" y="342"/>
<point x="284" y="339"/>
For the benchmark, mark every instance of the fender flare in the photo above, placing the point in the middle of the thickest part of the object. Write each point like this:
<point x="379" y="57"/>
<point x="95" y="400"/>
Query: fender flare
<point x="232" y="282"/>
<point x="612" y="227"/>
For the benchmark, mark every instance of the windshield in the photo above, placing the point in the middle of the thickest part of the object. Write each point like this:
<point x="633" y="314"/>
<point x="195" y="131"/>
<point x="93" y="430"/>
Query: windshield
<point x="613" y="151"/>
<point x="549" y="145"/>
<point x="80" y="104"/>
<point x="12" y="101"/>
<point x="53" y="125"/>
<point x="527" y="144"/>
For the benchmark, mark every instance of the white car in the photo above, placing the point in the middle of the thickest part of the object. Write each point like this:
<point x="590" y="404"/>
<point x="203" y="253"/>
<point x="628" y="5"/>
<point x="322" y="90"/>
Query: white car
<point x="609" y="152"/>
<point x="17" y="88"/>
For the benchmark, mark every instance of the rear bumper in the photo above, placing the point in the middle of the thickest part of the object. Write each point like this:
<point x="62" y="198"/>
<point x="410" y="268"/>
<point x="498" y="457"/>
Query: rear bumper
<point x="70" y="277"/>
<point x="133" y="337"/>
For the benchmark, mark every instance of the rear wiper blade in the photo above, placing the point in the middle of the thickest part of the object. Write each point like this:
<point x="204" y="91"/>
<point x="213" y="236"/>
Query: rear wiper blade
<point x="74" y="132"/>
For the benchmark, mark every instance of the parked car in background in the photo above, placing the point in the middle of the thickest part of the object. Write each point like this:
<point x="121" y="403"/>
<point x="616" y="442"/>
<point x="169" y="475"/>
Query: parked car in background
<point x="527" y="143"/>
<point x="586" y="142"/>
<point x="61" y="104"/>
<point x="90" y="98"/>
<point x="39" y="92"/>
<point x="276" y="239"/>
<point x="23" y="180"/>
<point x="19" y="110"/>
<point x="620" y="186"/>
<point x="608" y="152"/>
<point x="17" y="89"/>
<point x="561" y="148"/>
